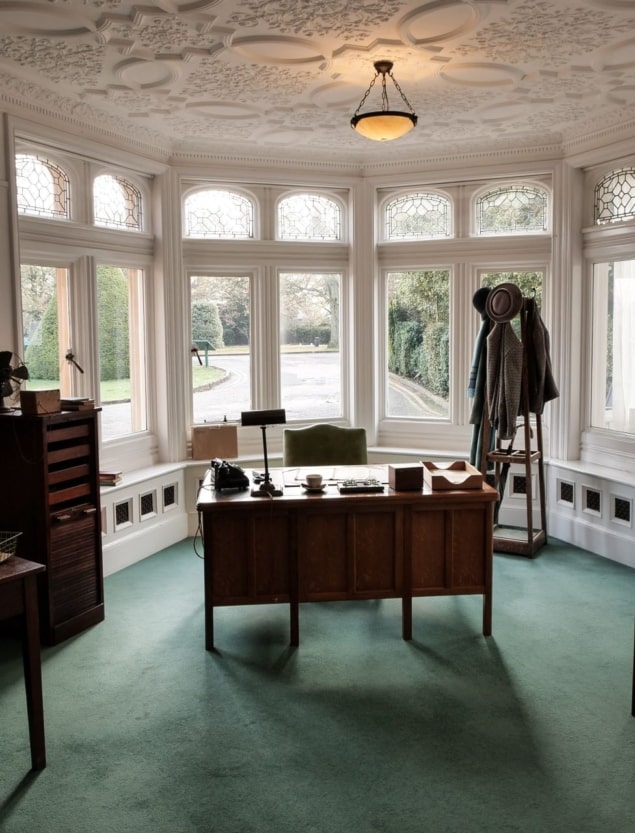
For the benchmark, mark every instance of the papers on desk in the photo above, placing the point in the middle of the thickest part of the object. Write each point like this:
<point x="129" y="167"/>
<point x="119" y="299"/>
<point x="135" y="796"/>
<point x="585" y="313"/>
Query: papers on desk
<point x="335" y="474"/>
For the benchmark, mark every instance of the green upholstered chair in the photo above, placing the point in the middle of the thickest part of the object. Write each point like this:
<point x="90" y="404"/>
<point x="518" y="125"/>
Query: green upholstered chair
<point x="324" y="445"/>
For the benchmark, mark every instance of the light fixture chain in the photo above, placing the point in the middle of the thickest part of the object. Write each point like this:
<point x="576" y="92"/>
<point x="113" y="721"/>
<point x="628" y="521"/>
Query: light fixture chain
<point x="401" y="93"/>
<point x="366" y="94"/>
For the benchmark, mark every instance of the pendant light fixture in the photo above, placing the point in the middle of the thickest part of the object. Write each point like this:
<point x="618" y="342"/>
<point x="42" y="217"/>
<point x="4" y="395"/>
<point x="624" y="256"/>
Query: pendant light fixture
<point x="384" y="125"/>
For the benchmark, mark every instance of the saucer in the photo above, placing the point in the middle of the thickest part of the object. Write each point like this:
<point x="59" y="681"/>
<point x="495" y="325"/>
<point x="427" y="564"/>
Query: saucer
<point x="314" y="488"/>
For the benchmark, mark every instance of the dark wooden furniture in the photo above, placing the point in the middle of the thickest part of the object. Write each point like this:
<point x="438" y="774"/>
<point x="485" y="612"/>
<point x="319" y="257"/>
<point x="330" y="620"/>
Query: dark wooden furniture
<point x="18" y="598"/>
<point x="309" y="548"/>
<point x="50" y="492"/>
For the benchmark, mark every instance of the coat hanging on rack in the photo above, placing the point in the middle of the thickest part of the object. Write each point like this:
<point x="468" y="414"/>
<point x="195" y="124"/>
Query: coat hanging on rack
<point x="504" y="359"/>
<point x="478" y="377"/>
<point x="542" y="386"/>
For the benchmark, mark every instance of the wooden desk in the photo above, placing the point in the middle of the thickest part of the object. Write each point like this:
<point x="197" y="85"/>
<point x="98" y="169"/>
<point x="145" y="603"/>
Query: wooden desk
<point x="18" y="597"/>
<point x="323" y="547"/>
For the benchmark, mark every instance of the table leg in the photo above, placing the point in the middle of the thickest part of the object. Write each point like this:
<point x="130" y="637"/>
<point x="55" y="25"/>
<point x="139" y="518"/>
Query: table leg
<point x="406" y="617"/>
<point x="33" y="674"/>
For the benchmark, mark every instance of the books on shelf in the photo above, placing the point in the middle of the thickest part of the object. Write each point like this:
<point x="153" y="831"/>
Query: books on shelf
<point x="77" y="403"/>
<point x="109" y="478"/>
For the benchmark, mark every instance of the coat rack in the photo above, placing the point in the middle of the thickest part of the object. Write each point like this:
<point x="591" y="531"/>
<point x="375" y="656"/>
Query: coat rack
<point x="536" y="387"/>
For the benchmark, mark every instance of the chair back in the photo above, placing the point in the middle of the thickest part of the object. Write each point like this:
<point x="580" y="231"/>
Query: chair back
<point x="324" y="445"/>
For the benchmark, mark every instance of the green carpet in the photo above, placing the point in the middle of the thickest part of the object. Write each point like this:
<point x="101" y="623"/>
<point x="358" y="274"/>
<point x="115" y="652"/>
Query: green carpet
<point x="354" y="731"/>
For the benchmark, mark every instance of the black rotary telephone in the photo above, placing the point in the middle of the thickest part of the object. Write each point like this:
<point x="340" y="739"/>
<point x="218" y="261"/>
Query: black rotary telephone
<point x="228" y="476"/>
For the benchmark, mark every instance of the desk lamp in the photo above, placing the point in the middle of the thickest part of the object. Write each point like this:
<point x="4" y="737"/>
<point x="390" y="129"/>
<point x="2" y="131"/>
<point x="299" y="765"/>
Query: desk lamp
<point x="264" y="418"/>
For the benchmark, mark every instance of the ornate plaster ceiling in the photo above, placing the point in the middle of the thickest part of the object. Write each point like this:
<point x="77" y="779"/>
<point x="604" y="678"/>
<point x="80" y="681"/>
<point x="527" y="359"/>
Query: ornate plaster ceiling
<point x="277" y="77"/>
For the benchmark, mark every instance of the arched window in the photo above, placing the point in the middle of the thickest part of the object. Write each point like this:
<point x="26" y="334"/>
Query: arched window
<point x="43" y="188"/>
<point x="219" y="214"/>
<point x="418" y="216"/>
<point x="116" y="203"/>
<point x="309" y="217"/>
<point x="513" y="209"/>
<point x="614" y="198"/>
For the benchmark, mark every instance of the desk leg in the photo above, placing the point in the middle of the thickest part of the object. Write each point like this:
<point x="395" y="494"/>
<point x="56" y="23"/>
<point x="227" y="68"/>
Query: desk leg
<point x="33" y="674"/>
<point x="294" y="612"/>
<point x="208" y="594"/>
<point x="294" y="582"/>
<point x="487" y="614"/>
<point x="488" y="544"/>
<point x="633" y="695"/>
<point x="209" y="626"/>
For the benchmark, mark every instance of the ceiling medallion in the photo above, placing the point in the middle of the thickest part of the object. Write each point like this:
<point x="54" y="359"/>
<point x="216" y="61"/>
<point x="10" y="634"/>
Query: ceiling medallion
<point x="384" y="125"/>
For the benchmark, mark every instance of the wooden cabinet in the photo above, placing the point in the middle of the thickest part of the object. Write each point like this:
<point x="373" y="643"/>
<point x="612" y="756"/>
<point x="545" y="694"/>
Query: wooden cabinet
<point x="50" y="492"/>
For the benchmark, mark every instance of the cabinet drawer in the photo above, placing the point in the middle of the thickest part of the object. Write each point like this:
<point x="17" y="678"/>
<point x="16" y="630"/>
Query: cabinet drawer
<point x="68" y="453"/>
<point x="60" y="476"/>
<point x="64" y="433"/>
<point x="71" y="494"/>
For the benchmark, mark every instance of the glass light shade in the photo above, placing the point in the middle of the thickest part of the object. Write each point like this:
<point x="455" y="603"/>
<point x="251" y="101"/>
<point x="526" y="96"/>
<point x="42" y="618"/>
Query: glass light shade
<point x="384" y="125"/>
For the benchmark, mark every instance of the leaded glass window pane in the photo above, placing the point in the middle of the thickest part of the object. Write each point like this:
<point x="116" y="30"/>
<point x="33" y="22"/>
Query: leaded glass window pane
<point x="309" y="217"/>
<point x="418" y="216"/>
<point x="615" y="197"/>
<point x="43" y="188"/>
<point x="219" y="214"/>
<point x="514" y="209"/>
<point x="116" y="203"/>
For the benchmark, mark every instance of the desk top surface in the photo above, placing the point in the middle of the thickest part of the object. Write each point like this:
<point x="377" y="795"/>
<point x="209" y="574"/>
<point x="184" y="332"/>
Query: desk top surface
<point x="291" y="481"/>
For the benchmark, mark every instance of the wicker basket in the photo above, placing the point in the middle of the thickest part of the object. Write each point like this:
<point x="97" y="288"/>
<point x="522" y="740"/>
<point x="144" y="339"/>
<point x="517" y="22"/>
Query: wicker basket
<point x="8" y="544"/>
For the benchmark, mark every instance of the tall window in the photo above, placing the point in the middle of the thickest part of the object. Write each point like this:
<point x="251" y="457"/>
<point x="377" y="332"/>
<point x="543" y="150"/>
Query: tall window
<point x="219" y="214"/>
<point x="122" y="354"/>
<point x="221" y="355"/>
<point x="43" y="188"/>
<point x="417" y="349"/>
<point x="614" y="197"/>
<point x="46" y="326"/>
<point x="309" y="217"/>
<point x="513" y="209"/>
<point x="116" y="203"/>
<point x="310" y="356"/>
<point x="613" y="349"/>
<point x="418" y="216"/>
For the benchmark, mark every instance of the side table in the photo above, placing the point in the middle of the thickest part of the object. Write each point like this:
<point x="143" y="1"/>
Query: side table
<point x="19" y="598"/>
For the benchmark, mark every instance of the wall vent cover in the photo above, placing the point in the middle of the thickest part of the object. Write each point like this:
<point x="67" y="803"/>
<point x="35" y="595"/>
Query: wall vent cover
<point x="566" y="492"/>
<point x="147" y="505"/>
<point x="592" y="501"/>
<point x="622" y="510"/>
<point x="169" y="496"/>
<point x="123" y="513"/>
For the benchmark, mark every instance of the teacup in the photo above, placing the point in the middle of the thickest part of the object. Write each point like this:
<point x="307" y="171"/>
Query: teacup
<point x="314" y="481"/>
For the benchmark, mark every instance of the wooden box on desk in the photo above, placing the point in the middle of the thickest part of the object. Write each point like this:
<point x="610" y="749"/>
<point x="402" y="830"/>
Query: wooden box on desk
<point x="457" y="475"/>
<point x="40" y="402"/>
<point x="405" y="477"/>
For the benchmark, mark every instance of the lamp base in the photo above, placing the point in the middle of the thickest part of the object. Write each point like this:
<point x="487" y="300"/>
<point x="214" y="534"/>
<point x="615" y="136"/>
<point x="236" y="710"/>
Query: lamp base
<point x="267" y="490"/>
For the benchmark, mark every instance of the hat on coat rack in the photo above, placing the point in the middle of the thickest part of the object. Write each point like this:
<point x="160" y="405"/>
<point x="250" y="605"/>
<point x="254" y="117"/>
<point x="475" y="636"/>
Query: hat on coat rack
<point x="504" y="302"/>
